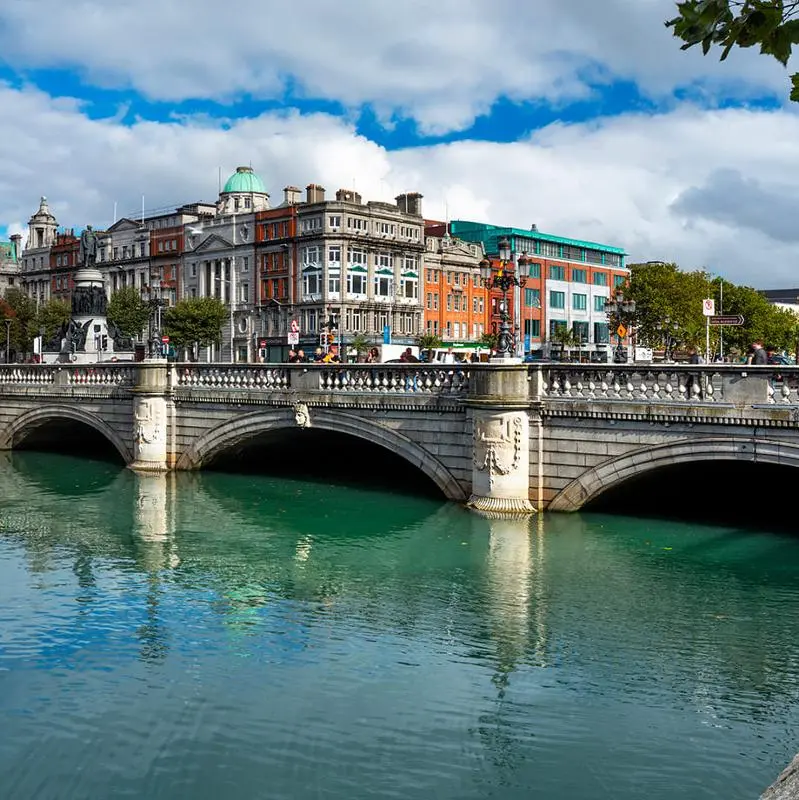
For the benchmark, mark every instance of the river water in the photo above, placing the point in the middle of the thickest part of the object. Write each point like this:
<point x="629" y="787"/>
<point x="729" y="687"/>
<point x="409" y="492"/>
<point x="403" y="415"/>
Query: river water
<point x="232" y="636"/>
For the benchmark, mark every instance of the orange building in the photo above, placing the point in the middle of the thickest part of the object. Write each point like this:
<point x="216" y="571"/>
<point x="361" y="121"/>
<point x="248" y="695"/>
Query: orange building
<point x="166" y="249"/>
<point x="455" y="303"/>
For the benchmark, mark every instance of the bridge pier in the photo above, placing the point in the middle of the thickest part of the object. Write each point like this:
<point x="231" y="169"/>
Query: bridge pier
<point x="150" y="417"/>
<point x="500" y="403"/>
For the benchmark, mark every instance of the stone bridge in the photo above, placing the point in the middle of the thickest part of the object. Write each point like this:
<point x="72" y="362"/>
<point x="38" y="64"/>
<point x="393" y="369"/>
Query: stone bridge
<point x="503" y="438"/>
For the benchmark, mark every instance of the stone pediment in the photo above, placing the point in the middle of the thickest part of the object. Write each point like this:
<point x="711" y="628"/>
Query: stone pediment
<point x="458" y="249"/>
<point x="213" y="242"/>
<point x="124" y="224"/>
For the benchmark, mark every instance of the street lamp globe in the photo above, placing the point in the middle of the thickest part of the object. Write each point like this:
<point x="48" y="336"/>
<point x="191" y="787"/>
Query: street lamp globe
<point x="503" y="245"/>
<point x="485" y="269"/>
<point x="523" y="262"/>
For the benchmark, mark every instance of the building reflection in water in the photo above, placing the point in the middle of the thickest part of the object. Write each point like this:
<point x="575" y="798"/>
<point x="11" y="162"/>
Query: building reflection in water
<point x="154" y="516"/>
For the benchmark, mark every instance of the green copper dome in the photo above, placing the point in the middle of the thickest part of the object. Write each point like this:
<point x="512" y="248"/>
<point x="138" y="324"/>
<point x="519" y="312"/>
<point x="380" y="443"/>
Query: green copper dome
<point x="244" y="180"/>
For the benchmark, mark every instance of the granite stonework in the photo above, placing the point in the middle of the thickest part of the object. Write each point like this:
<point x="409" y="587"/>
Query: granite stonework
<point x="786" y="787"/>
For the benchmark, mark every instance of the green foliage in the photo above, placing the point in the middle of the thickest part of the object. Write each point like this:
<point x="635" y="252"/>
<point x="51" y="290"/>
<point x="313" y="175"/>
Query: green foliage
<point x="489" y="341"/>
<point x="195" y="321"/>
<point x="360" y="343"/>
<point x="52" y="316"/>
<point x="429" y="341"/>
<point x="771" y="24"/>
<point x="128" y="312"/>
<point x="662" y="290"/>
<point x="23" y="325"/>
<point x="565" y="337"/>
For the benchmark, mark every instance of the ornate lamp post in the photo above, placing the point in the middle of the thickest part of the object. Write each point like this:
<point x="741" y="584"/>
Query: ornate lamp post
<point x="503" y="279"/>
<point x="668" y="331"/>
<point x="622" y="313"/>
<point x="8" y="339"/>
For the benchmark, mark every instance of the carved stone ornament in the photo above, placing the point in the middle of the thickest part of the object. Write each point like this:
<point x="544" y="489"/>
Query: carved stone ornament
<point x="148" y="429"/>
<point x="498" y="445"/>
<point x="302" y="416"/>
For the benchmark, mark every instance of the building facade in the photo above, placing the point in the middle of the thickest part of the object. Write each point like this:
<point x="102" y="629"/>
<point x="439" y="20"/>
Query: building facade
<point x="568" y="282"/>
<point x="10" y="263"/>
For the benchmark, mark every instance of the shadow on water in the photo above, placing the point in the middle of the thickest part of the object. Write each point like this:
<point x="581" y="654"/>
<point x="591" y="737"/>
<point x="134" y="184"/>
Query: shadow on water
<point x="68" y="437"/>
<point x="328" y="459"/>
<point x="746" y="496"/>
<point x="64" y="474"/>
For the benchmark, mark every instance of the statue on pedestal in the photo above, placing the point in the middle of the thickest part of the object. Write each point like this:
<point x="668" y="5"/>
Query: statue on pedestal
<point x="87" y="252"/>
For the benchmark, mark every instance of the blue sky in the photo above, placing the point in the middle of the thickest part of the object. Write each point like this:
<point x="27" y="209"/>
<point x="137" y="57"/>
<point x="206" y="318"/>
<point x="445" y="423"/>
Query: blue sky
<point x="584" y="118"/>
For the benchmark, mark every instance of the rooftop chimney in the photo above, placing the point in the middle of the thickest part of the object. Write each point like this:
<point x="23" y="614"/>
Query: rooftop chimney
<point x="410" y="203"/>
<point x="291" y="195"/>
<point x="314" y="193"/>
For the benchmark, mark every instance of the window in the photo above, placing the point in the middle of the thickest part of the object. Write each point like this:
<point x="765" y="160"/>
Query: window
<point x="449" y="330"/>
<point x="557" y="299"/>
<point x="386" y="228"/>
<point x="581" y="332"/>
<point x="409" y="287"/>
<point x="612" y="259"/>
<point x="572" y="253"/>
<point x="457" y="302"/>
<point x="579" y="302"/>
<point x="619" y="280"/>
<point x="557" y="273"/>
<point x="160" y="248"/>
<point x="125" y="249"/>
<point x="334" y="280"/>
<point x="311" y="225"/>
<point x="474" y="305"/>
<point x="549" y="249"/>
<point x="357" y="224"/>
<point x="435" y="301"/>
<point x="334" y="221"/>
<point x="555" y="324"/>
<point x="449" y="302"/>
<point x="601" y="333"/>
<point x="384" y="261"/>
<point x="334" y="255"/>
<point x="193" y="269"/>
<point x="312" y="282"/>
<point x="384" y="285"/>
<point x="593" y="256"/>
<point x="356" y="285"/>
<point x="532" y="327"/>
<point x="579" y="276"/>
<point x="457" y="330"/>
<point x="535" y="271"/>
<point x="245" y="266"/>
<point x="599" y="302"/>
<point x="430" y="301"/>
<point x="311" y="256"/>
<point x="141" y="249"/>
<point x="532" y="298"/>
<point x="357" y="257"/>
<point x="600" y="279"/>
<point x="245" y="293"/>
<point x="480" y="305"/>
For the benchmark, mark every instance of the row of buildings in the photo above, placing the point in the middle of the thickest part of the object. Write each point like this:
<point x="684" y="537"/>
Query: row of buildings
<point x="329" y="263"/>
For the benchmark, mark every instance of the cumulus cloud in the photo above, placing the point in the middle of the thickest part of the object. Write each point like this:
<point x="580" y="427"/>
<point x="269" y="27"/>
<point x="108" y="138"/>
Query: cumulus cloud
<point x="653" y="185"/>
<point x="441" y="64"/>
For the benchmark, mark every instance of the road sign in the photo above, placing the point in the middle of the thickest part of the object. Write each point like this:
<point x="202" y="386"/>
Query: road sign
<point x="262" y="343"/>
<point x="294" y="337"/>
<point x="727" y="319"/>
<point x="621" y="331"/>
<point x="709" y="307"/>
<point x="295" y="326"/>
<point x="165" y="339"/>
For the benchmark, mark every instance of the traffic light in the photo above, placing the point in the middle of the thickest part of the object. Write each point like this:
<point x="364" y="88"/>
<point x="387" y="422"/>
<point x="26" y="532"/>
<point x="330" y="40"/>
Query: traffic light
<point x="331" y="338"/>
<point x="104" y="343"/>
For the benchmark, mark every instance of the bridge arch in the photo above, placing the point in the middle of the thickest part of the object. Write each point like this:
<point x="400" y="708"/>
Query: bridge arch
<point x="242" y="428"/>
<point x="35" y="417"/>
<point x="617" y="470"/>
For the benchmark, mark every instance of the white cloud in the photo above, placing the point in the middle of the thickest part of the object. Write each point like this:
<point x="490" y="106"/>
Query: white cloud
<point x="440" y="63"/>
<point x="639" y="182"/>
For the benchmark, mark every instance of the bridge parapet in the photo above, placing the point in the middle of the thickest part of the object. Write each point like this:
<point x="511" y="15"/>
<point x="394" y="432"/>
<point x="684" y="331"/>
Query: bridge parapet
<point x="28" y="375"/>
<point x="713" y="384"/>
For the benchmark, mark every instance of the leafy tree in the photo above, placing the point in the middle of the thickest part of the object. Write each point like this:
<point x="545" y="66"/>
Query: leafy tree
<point x="489" y="341"/>
<point x="429" y="341"/>
<point x="360" y="343"/>
<point x="52" y="316"/>
<point x="23" y="316"/>
<point x="195" y="322"/>
<point x="773" y="25"/>
<point x="128" y="312"/>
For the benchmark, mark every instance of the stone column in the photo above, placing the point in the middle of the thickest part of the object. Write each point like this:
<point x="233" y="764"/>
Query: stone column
<point x="500" y="403"/>
<point x="150" y="417"/>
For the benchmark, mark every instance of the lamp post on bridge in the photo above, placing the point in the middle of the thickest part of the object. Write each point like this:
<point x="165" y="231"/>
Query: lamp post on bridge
<point x="622" y="312"/>
<point x="668" y="331"/>
<point x="503" y="279"/>
<point x="8" y="339"/>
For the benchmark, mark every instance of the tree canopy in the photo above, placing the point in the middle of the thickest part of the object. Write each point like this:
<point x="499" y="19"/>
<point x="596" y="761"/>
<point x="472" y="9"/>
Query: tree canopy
<point x="128" y="311"/>
<point x="195" y="321"/>
<point x="773" y="25"/>
<point x="662" y="291"/>
<point x="52" y="316"/>
<point x="23" y="319"/>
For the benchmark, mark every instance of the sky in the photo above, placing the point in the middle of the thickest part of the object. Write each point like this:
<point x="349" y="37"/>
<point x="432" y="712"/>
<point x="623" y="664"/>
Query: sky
<point x="582" y="117"/>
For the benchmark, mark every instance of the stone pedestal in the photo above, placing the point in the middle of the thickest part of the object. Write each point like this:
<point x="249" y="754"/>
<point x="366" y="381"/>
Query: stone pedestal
<point x="89" y="327"/>
<point x="150" y="417"/>
<point x="500" y="402"/>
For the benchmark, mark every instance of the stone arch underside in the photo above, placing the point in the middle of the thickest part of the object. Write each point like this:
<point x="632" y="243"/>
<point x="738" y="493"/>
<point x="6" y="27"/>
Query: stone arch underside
<point x="36" y="417"/>
<point x="618" y="469"/>
<point x="242" y="428"/>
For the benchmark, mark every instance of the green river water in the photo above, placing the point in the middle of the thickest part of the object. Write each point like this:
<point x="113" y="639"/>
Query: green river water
<point x="233" y="636"/>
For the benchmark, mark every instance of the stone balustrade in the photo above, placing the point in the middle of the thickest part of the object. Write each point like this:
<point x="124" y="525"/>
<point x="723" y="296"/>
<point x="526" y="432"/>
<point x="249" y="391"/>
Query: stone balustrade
<point x="108" y="375"/>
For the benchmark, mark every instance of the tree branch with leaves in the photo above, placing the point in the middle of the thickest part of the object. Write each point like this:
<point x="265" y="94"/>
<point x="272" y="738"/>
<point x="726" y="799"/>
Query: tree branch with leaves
<point x="773" y="25"/>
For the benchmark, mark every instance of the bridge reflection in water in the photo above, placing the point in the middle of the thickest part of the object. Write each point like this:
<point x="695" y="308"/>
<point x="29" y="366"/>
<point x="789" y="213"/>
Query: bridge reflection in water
<point x="627" y="643"/>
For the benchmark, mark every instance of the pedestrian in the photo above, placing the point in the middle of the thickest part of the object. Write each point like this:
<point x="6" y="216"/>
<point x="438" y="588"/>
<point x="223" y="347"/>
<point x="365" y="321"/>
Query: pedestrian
<point x="292" y="359"/>
<point x="408" y="357"/>
<point x="759" y="356"/>
<point x="694" y="356"/>
<point x="318" y="355"/>
<point x="449" y="356"/>
<point x="301" y="357"/>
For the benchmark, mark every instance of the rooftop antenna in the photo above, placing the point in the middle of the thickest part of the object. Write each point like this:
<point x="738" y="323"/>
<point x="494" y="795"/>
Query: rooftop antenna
<point x="142" y="209"/>
<point x="220" y="180"/>
<point x="115" y="211"/>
